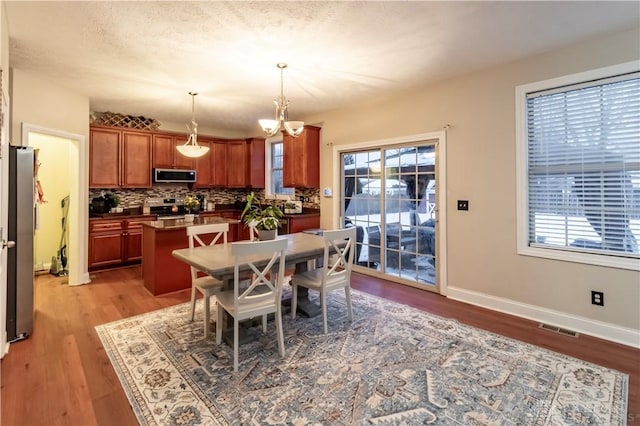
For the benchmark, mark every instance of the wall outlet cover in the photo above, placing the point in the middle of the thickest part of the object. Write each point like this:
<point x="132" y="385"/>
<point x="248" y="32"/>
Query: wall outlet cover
<point x="327" y="192"/>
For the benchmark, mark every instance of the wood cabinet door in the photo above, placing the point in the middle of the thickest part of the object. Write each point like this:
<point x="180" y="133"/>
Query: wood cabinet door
<point x="301" y="167"/>
<point x="105" y="249"/>
<point x="299" y="224"/>
<point x="203" y="167"/>
<point x="104" y="158"/>
<point x="237" y="160"/>
<point x="256" y="163"/>
<point x="218" y="163"/>
<point x="133" y="238"/>
<point x="179" y="160"/>
<point x="133" y="245"/>
<point x="136" y="159"/>
<point x="163" y="151"/>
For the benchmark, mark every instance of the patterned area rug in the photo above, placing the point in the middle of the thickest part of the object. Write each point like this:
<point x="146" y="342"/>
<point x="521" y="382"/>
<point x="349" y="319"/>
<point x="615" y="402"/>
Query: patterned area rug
<point x="393" y="365"/>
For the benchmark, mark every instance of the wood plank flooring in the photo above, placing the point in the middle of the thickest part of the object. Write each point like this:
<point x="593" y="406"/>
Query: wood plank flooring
<point x="61" y="374"/>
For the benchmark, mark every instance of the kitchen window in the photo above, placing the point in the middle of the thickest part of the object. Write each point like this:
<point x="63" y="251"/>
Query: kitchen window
<point x="275" y="172"/>
<point x="578" y="148"/>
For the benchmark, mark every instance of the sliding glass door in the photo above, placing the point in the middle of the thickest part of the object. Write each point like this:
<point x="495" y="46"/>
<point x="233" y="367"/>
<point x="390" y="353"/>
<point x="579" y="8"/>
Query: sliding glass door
<point x="389" y="195"/>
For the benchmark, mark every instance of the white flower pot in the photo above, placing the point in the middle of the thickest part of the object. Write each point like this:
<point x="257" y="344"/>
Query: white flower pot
<point x="265" y="235"/>
<point x="189" y="217"/>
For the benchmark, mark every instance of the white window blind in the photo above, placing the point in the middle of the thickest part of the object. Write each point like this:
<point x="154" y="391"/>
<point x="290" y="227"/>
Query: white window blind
<point x="583" y="167"/>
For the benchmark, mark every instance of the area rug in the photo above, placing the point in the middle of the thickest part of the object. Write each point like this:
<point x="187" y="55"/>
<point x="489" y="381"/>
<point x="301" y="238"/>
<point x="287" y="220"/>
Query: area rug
<point x="393" y="365"/>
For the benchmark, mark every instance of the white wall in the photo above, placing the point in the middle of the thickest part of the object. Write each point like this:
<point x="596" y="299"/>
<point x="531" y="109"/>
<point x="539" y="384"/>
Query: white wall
<point x="4" y="170"/>
<point x="483" y="265"/>
<point x="44" y="106"/>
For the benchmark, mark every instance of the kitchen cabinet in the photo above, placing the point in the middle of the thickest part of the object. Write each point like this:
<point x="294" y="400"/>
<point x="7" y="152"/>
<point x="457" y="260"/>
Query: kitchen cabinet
<point x="119" y="158"/>
<point x="113" y="242"/>
<point x="255" y="166"/>
<point x="302" y="222"/>
<point x="237" y="158"/>
<point x="165" y="154"/>
<point x="235" y="229"/>
<point x="218" y="163"/>
<point x="203" y="166"/>
<point x="301" y="168"/>
<point x="136" y="160"/>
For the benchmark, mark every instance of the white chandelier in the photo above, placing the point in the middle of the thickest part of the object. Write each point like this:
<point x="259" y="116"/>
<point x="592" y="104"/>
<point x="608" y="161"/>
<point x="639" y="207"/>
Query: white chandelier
<point x="191" y="148"/>
<point x="271" y="127"/>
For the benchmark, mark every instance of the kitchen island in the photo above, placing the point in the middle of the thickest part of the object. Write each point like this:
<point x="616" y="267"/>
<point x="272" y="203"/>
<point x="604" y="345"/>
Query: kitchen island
<point x="162" y="273"/>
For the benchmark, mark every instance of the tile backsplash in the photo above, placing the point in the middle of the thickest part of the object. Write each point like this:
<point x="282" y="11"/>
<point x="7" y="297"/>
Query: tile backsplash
<point x="132" y="198"/>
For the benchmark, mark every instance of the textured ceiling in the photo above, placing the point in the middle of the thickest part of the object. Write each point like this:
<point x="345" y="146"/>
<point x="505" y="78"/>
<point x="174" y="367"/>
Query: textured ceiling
<point x="142" y="58"/>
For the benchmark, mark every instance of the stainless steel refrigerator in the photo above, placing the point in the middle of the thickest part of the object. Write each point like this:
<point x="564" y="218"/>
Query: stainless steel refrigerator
<point x="20" y="271"/>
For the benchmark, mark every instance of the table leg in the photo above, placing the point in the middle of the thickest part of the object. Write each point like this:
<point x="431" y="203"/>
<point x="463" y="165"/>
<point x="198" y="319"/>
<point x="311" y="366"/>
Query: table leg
<point x="305" y="306"/>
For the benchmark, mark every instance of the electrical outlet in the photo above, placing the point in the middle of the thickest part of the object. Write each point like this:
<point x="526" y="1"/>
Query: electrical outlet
<point x="597" y="298"/>
<point x="463" y="204"/>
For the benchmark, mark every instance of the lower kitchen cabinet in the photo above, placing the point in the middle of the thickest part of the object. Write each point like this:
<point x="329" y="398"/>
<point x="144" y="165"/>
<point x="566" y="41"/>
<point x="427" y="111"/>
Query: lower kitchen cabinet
<point x="235" y="229"/>
<point x="113" y="242"/>
<point x="300" y="223"/>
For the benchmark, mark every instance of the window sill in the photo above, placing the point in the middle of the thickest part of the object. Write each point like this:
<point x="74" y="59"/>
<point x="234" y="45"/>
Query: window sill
<point x="629" y="263"/>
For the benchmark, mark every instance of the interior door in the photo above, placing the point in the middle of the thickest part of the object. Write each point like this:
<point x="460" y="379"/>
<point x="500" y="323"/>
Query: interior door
<point x="389" y="195"/>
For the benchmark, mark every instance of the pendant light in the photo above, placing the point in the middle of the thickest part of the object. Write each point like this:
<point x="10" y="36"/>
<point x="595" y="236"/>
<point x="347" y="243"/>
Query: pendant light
<point x="191" y="148"/>
<point x="271" y="127"/>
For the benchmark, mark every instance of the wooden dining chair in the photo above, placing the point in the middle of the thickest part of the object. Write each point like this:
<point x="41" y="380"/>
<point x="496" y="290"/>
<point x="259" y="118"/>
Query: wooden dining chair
<point x="331" y="276"/>
<point x="262" y="295"/>
<point x="205" y="284"/>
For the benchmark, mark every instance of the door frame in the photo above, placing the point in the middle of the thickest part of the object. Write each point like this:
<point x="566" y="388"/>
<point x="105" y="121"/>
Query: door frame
<point x="441" y="194"/>
<point x="79" y="196"/>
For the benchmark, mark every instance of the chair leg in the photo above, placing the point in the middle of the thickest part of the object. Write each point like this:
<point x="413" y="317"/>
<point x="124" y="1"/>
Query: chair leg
<point x="207" y="316"/>
<point x="347" y="295"/>
<point x="235" y="344"/>
<point x="323" y="302"/>
<point x="280" y="332"/>
<point x="218" y="326"/>
<point x="193" y="302"/>
<point x="264" y="323"/>
<point x="294" y="300"/>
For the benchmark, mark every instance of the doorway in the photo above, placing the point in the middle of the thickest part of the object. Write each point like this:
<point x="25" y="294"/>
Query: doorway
<point x="391" y="194"/>
<point x="71" y="150"/>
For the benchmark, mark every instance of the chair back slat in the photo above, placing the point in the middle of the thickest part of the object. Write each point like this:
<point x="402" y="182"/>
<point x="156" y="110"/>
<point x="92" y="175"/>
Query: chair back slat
<point x="264" y="285"/>
<point x="219" y="230"/>
<point x="343" y="252"/>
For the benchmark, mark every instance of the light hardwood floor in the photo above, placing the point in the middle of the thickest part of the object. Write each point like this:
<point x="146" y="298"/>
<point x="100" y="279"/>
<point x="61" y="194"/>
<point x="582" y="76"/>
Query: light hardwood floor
<point x="61" y="374"/>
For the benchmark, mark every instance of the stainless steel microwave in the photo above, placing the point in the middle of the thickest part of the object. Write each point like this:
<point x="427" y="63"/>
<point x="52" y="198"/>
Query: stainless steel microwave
<point x="174" y="175"/>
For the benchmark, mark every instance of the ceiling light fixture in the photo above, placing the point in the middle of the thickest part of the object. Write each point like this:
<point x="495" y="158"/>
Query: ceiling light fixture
<point x="271" y="127"/>
<point x="191" y="148"/>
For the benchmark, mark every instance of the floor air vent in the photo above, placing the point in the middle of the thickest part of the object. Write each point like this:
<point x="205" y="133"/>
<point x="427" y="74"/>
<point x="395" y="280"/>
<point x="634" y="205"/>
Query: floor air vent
<point x="559" y="330"/>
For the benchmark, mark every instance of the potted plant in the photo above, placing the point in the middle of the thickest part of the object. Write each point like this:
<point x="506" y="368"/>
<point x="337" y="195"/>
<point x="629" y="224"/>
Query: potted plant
<point x="265" y="219"/>
<point x="190" y="202"/>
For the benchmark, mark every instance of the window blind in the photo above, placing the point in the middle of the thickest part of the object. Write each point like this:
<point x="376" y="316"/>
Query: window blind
<point x="583" y="148"/>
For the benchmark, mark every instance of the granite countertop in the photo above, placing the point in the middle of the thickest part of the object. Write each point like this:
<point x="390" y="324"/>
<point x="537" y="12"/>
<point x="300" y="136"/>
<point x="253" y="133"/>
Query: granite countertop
<point x="172" y="224"/>
<point x="119" y="216"/>
<point x="220" y="208"/>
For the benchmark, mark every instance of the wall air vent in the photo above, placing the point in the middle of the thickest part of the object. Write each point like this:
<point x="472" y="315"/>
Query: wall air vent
<point x="559" y="330"/>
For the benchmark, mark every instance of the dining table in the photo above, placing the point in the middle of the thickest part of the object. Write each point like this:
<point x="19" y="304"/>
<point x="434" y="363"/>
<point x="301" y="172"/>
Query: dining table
<point x="217" y="261"/>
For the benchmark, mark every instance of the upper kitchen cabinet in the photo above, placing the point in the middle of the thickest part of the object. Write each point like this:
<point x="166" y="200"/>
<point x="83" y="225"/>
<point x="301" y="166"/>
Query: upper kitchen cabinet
<point x="256" y="166"/>
<point x="119" y="158"/>
<point x="203" y="166"/>
<point x="301" y="168"/>
<point x="165" y="154"/>
<point x="218" y="160"/>
<point x="237" y="159"/>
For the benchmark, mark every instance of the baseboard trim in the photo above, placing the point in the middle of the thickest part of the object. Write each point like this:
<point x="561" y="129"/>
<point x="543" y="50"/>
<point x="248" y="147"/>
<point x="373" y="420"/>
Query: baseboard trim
<point x="603" y="330"/>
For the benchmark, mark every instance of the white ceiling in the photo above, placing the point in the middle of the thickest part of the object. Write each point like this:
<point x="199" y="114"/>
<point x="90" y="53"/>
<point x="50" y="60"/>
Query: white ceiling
<point x="141" y="58"/>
